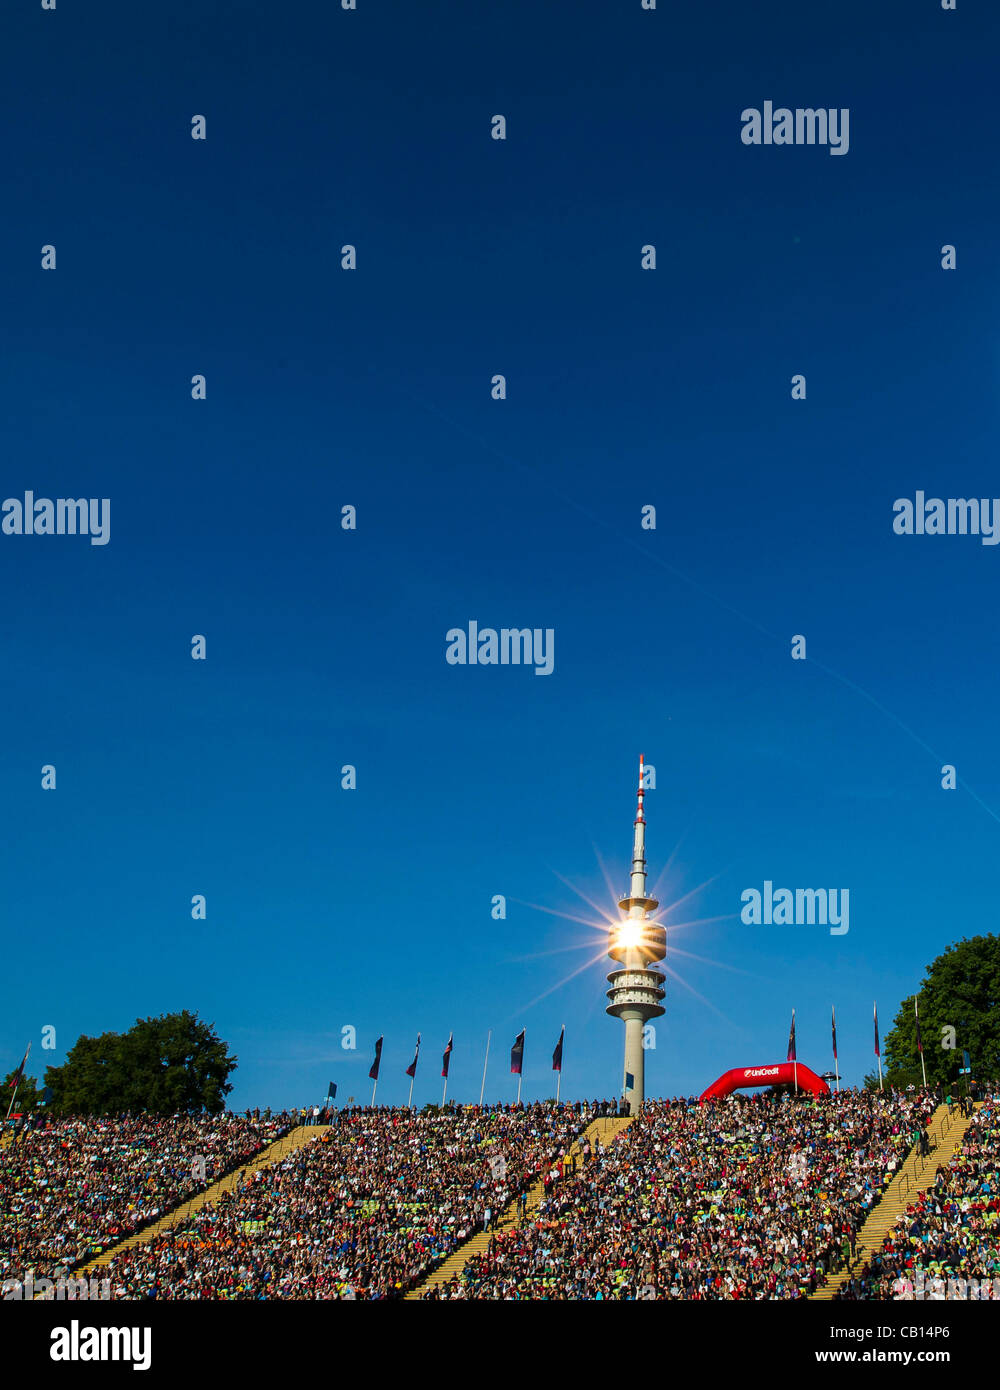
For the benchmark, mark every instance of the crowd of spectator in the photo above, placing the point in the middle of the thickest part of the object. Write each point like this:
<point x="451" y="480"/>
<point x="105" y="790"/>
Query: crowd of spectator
<point x="71" y="1188"/>
<point x="947" y="1242"/>
<point x="362" y="1211"/>
<point x="744" y="1198"/>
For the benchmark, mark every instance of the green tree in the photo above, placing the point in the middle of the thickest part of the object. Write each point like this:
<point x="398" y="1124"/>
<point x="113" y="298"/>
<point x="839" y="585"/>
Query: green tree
<point x="959" y="1001"/>
<point x="171" y="1063"/>
<point x="28" y="1094"/>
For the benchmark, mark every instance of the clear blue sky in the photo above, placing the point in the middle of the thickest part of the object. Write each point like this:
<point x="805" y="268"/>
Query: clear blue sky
<point x="371" y="907"/>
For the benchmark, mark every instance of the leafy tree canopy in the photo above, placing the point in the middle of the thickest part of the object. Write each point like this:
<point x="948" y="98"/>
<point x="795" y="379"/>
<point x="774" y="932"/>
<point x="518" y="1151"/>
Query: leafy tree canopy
<point x="172" y="1063"/>
<point x="959" y="1002"/>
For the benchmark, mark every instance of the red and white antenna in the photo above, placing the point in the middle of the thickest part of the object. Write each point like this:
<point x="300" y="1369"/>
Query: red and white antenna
<point x="637" y="876"/>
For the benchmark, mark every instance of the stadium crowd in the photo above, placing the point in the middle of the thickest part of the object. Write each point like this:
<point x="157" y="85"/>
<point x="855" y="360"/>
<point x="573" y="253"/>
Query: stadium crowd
<point x="744" y="1198"/>
<point x="747" y="1197"/>
<point x="71" y="1188"/>
<point x="360" y="1212"/>
<point x="947" y="1242"/>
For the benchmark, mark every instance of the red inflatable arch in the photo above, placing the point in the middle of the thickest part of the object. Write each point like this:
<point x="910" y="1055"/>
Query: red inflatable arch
<point x="741" y="1078"/>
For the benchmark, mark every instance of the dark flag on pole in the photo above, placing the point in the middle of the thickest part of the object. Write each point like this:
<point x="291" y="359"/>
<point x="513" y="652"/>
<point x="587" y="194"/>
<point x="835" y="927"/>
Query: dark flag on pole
<point x="18" y="1076"/>
<point x="557" y="1055"/>
<point x="446" y="1059"/>
<point x="411" y="1070"/>
<point x="791" y="1040"/>
<point x="877" y="1053"/>
<point x="373" y="1074"/>
<point x="332" y="1092"/>
<point x="517" y="1054"/>
<point x="833" y="1015"/>
<point x="916" y="1016"/>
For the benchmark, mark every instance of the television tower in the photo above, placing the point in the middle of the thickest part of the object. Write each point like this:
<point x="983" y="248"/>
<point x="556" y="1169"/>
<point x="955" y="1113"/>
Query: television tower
<point x="635" y="942"/>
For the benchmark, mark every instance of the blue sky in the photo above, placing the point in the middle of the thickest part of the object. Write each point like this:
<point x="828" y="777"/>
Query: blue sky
<point x="371" y="908"/>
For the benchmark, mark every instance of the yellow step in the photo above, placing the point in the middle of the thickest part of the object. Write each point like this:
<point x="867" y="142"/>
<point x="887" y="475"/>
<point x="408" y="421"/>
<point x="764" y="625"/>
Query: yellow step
<point x="915" y="1176"/>
<point x="274" y="1153"/>
<point x="607" y="1128"/>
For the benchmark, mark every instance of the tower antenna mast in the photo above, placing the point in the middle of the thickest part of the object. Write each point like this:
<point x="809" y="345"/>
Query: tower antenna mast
<point x="636" y="942"/>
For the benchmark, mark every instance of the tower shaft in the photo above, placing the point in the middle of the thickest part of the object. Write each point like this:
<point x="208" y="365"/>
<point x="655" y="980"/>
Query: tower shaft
<point x="636" y="942"/>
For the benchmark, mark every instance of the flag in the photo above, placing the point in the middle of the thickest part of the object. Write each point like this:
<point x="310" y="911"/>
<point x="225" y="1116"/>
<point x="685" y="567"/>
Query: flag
<point x="47" y="1096"/>
<point x="629" y="1081"/>
<point x="373" y="1074"/>
<point x="411" y="1070"/>
<point x="833" y="1015"/>
<point x="446" y="1059"/>
<point x="877" y="1053"/>
<point x="791" y="1041"/>
<point x="332" y="1092"/>
<point x="916" y="1015"/>
<point x="517" y="1054"/>
<point x="557" y="1055"/>
<point x="19" y="1074"/>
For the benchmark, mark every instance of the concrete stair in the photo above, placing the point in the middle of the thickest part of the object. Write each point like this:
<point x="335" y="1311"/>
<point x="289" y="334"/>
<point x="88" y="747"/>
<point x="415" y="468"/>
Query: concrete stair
<point x="915" y="1176"/>
<point x="607" y="1129"/>
<point x="274" y="1153"/>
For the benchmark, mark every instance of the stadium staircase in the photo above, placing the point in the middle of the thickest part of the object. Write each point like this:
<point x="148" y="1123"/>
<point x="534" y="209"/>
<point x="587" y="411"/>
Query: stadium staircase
<point x="606" y="1129"/>
<point x="274" y="1153"/>
<point x="945" y="1133"/>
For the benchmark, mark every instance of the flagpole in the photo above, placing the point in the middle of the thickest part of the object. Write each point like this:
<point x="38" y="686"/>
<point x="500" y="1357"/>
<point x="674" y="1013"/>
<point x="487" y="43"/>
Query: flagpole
<point x="374" y="1088"/>
<point x="482" y="1089"/>
<point x="444" y="1092"/>
<point x="24" y="1063"/>
<point x="519" y="1088"/>
<point x="923" y="1064"/>
<point x="836" y="1064"/>
<point x="559" y="1072"/>
<point x="13" y="1098"/>
<point x="413" y="1073"/>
